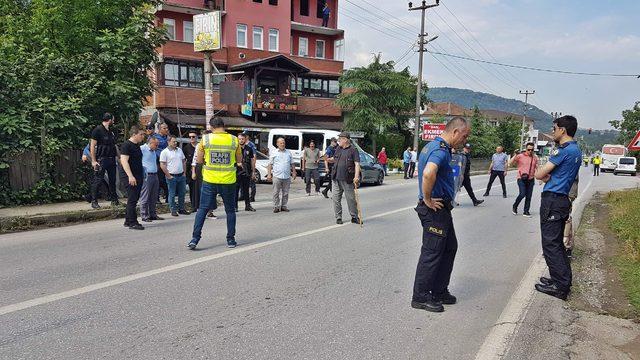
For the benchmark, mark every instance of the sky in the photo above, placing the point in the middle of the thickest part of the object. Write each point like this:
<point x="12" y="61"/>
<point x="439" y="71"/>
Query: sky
<point x="582" y="36"/>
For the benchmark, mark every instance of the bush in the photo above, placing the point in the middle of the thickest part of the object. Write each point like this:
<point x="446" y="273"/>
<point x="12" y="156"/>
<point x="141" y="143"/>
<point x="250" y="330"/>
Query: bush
<point x="395" y="164"/>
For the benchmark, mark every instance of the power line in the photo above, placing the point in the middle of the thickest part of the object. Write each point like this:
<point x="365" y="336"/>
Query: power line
<point x="376" y="29"/>
<point x="566" y="72"/>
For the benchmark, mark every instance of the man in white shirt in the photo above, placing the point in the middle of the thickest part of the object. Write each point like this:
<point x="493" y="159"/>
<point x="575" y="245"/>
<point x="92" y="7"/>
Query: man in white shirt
<point x="173" y="165"/>
<point x="281" y="168"/>
<point x="414" y="161"/>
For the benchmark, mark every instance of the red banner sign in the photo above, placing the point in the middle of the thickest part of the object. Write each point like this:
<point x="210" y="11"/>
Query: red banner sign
<point x="431" y="131"/>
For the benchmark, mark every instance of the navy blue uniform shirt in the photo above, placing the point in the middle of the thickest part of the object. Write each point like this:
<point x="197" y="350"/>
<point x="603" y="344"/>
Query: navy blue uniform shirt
<point x="567" y="159"/>
<point x="439" y="153"/>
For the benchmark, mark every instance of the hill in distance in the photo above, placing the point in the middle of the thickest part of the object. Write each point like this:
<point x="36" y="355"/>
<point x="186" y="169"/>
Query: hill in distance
<point x="543" y="121"/>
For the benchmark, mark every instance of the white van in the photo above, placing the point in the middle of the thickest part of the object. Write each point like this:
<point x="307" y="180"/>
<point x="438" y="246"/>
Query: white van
<point x="625" y="165"/>
<point x="296" y="139"/>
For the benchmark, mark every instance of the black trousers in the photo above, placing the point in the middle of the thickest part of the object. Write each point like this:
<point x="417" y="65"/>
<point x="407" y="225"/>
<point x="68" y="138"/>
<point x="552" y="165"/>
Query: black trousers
<point x="412" y="169"/>
<point x="466" y="182"/>
<point x="108" y="166"/>
<point x="596" y="170"/>
<point x="243" y="183"/>
<point x="162" y="179"/>
<point x="525" y="191"/>
<point x="492" y="177"/>
<point x="438" y="252"/>
<point x="252" y="185"/>
<point x="406" y="169"/>
<point x="554" y="212"/>
<point x="133" y="194"/>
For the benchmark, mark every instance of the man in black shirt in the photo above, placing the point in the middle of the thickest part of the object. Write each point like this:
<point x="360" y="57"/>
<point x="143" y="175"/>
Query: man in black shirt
<point x="466" y="180"/>
<point x="103" y="159"/>
<point x="346" y="176"/>
<point x="132" y="174"/>
<point x="245" y="173"/>
<point x="189" y="150"/>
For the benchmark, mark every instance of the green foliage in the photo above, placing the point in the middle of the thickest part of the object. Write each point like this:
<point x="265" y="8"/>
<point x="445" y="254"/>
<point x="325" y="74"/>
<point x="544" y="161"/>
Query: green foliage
<point x="381" y="98"/>
<point x="508" y="134"/>
<point x="63" y="63"/>
<point x="629" y="125"/>
<point x="483" y="137"/>
<point x="393" y="142"/>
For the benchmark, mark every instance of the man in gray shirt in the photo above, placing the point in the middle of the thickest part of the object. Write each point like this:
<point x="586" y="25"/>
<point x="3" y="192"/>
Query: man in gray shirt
<point x="310" y="160"/>
<point x="498" y="168"/>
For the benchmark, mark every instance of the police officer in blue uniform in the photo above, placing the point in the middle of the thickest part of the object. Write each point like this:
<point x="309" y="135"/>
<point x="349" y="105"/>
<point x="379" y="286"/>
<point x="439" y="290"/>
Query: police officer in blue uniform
<point x="558" y="174"/>
<point x="436" y="195"/>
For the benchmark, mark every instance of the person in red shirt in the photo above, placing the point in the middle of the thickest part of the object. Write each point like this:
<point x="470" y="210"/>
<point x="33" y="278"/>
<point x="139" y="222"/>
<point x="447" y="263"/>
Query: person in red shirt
<point x="382" y="160"/>
<point x="527" y="163"/>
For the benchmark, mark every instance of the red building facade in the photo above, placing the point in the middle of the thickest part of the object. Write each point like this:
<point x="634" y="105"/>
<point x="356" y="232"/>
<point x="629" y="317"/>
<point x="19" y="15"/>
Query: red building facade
<point x="290" y="64"/>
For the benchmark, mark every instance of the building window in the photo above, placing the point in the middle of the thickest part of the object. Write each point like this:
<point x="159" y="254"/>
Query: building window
<point x="241" y="35"/>
<point x="258" y="1"/>
<point x="170" y="27"/>
<point x="319" y="8"/>
<point x="338" y="50"/>
<point x="304" y="7"/>
<point x="303" y="47"/>
<point x="257" y="38"/>
<point x="187" y="26"/>
<point x="273" y="2"/>
<point x="320" y="49"/>
<point x="316" y="87"/>
<point x="274" y="39"/>
<point x="183" y="74"/>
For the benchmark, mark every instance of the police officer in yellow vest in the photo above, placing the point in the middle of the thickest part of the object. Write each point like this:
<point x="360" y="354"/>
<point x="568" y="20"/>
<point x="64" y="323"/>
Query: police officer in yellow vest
<point x="220" y="154"/>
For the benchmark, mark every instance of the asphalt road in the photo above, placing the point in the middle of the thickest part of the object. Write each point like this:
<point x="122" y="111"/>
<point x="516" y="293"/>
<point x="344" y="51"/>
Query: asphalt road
<point x="297" y="287"/>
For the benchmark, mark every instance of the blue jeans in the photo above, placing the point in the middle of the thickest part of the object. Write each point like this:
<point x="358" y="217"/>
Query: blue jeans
<point x="177" y="185"/>
<point x="525" y="191"/>
<point x="208" y="202"/>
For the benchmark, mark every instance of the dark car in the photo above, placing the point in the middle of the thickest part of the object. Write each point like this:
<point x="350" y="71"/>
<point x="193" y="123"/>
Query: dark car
<point x="370" y="171"/>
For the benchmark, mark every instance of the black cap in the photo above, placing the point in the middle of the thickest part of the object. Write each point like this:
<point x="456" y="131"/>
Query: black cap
<point x="150" y="127"/>
<point x="344" y="134"/>
<point x="216" y="122"/>
<point x="107" y="116"/>
<point x="467" y="145"/>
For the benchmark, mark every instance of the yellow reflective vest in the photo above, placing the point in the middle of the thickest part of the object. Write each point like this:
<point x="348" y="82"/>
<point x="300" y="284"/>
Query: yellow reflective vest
<point x="219" y="158"/>
<point x="596" y="161"/>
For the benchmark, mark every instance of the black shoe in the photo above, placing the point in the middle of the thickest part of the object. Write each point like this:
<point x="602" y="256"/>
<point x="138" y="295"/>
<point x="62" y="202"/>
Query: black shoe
<point x="95" y="205"/>
<point x="136" y="227"/>
<point x="192" y="245"/>
<point x="325" y="194"/>
<point x="526" y="214"/>
<point x="485" y="194"/>
<point x="276" y="210"/>
<point x="355" y="220"/>
<point x="184" y="212"/>
<point x="545" y="280"/>
<point x="174" y="213"/>
<point x="126" y="225"/>
<point x="249" y="208"/>
<point x="429" y="305"/>
<point x="147" y="220"/>
<point x="514" y="210"/>
<point x="445" y="298"/>
<point x="212" y="215"/>
<point x="241" y="198"/>
<point x="156" y="218"/>
<point x="339" y="221"/>
<point x="477" y="202"/>
<point x="284" y="208"/>
<point x="552" y="290"/>
<point x="504" y="196"/>
<point x="232" y="244"/>
<point x="115" y="203"/>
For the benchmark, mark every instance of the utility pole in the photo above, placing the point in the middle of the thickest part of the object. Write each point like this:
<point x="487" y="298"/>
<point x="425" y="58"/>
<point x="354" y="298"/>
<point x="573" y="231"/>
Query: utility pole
<point x="421" y="50"/>
<point x="526" y="94"/>
<point x="208" y="90"/>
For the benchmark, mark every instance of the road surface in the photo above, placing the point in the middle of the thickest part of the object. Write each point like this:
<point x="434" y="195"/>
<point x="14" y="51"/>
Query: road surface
<point x="298" y="286"/>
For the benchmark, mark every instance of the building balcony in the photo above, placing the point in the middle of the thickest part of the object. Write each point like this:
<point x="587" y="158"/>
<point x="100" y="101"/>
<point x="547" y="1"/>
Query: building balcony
<point x="314" y="106"/>
<point x="184" y="50"/>
<point x="192" y="6"/>
<point x="276" y="103"/>
<point x="319" y="66"/>
<point x="315" y="29"/>
<point x="184" y="98"/>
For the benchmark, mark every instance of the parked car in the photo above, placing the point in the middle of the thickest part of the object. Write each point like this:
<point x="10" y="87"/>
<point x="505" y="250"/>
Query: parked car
<point x="262" y="161"/>
<point x="297" y="139"/>
<point x="370" y="171"/>
<point x="625" y="165"/>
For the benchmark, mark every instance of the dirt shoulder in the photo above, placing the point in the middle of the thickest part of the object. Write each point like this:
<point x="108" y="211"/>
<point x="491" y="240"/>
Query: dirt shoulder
<point x="598" y="321"/>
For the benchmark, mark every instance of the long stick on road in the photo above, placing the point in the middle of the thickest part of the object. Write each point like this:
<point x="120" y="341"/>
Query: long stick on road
<point x="355" y="188"/>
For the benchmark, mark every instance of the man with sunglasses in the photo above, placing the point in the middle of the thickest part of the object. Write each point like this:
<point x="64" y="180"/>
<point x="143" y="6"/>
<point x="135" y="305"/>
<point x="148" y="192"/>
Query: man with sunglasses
<point x="189" y="150"/>
<point x="527" y="163"/>
<point x="558" y="174"/>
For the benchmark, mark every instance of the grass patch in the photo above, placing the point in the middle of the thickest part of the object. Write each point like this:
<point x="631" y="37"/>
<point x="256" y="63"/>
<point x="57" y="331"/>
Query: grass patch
<point x="624" y="221"/>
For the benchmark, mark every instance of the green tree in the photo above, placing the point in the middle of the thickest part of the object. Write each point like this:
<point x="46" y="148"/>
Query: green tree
<point x="381" y="98"/>
<point x="483" y="137"/>
<point x="64" y="62"/>
<point x="629" y="125"/>
<point x="508" y="134"/>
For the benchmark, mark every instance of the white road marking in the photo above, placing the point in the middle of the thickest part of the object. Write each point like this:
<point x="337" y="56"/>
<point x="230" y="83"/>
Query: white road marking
<point x="8" y="309"/>
<point x="498" y="342"/>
